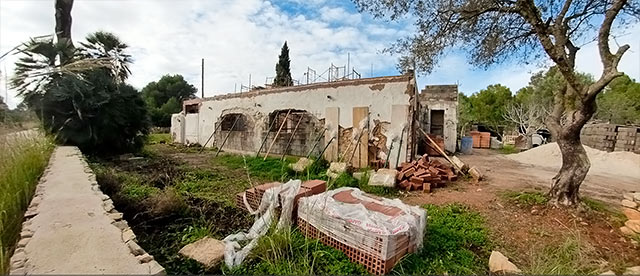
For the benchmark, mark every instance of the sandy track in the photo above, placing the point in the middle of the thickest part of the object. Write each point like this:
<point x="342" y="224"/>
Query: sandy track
<point x="504" y="172"/>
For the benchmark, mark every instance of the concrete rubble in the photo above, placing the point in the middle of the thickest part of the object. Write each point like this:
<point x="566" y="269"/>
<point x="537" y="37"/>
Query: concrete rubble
<point x="207" y="251"/>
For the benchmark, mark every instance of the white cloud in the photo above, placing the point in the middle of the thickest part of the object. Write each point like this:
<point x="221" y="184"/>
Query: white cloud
<point x="236" y="38"/>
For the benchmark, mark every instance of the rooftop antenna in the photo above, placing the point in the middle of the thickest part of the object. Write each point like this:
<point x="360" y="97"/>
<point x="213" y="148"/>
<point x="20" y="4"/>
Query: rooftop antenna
<point x="202" y="79"/>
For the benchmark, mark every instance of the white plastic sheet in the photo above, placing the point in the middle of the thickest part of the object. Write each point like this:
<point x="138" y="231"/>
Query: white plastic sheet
<point x="283" y="194"/>
<point x="370" y="231"/>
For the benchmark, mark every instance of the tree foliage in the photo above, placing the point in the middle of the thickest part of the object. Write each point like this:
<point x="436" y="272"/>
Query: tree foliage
<point x="283" y="68"/>
<point x="165" y="97"/>
<point x="620" y="102"/>
<point x="494" y="31"/>
<point x="83" y="99"/>
<point x="487" y="107"/>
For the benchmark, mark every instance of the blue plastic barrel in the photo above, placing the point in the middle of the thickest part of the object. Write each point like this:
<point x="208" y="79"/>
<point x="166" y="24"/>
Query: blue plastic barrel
<point x="466" y="144"/>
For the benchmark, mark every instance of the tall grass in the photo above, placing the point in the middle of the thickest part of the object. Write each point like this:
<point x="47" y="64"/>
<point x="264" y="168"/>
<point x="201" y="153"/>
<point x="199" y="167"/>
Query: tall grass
<point x="23" y="158"/>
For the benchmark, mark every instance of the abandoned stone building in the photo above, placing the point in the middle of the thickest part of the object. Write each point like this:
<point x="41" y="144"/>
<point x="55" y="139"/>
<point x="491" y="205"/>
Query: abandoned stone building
<point x="358" y="121"/>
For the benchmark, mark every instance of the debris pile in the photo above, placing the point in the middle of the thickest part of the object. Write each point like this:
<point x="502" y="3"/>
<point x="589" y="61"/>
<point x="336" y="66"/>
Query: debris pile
<point x="372" y="231"/>
<point x="424" y="174"/>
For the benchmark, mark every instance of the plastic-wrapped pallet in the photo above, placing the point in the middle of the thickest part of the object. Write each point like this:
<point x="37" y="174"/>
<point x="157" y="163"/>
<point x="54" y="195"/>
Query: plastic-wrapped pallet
<point x="376" y="232"/>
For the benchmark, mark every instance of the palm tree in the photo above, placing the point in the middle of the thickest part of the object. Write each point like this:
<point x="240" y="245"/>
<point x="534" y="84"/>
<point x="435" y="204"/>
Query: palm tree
<point x="40" y="64"/>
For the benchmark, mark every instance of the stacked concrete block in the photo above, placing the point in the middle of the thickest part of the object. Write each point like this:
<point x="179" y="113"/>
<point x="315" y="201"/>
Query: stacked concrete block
<point x="626" y="139"/>
<point x="599" y="136"/>
<point x="631" y="209"/>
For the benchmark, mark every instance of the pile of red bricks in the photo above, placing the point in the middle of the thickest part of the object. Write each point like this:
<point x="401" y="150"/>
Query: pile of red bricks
<point x="254" y="195"/>
<point x="424" y="174"/>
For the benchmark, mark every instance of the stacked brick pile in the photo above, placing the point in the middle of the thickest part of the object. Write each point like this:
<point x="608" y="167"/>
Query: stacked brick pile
<point x="631" y="209"/>
<point x="424" y="174"/>
<point x="627" y="139"/>
<point x="254" y="195"/>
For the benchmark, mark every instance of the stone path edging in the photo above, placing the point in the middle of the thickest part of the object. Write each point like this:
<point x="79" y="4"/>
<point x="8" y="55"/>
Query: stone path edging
<point x="20" y="262"/>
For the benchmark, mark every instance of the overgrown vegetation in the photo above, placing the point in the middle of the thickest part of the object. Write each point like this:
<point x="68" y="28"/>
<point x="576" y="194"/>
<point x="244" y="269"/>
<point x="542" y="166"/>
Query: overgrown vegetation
<point x="288" y="252"/>
<point x="525" y="198"/>
<point x="569" y="257"/>
<point x="23" y="162"/>
<point x="456" y="242"/>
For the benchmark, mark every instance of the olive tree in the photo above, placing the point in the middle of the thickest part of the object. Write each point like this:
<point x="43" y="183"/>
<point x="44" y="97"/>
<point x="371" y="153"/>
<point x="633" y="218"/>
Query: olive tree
<point x="496" y="31"/>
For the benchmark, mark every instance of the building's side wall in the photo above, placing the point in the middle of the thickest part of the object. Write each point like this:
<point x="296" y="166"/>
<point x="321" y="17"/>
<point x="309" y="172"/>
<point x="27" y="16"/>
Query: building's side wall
<point x="441" y="97"/>
<point x="378" y="97"/>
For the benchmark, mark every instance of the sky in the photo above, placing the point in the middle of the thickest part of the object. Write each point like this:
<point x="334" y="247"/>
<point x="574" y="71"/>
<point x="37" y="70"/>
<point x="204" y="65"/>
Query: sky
<point x="240" y="40"/>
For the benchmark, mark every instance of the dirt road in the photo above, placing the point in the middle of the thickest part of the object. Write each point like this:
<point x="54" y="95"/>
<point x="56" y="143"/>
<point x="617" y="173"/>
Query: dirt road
<point x="503" y="172"/>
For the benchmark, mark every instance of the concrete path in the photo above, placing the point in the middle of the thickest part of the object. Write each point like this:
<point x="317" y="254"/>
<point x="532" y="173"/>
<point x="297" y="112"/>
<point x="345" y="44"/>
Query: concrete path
<point x="72" y="228"/>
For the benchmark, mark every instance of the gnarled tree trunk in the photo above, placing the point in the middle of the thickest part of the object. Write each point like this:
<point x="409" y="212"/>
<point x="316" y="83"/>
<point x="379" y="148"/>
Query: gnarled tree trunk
<point x="565" y="185"/>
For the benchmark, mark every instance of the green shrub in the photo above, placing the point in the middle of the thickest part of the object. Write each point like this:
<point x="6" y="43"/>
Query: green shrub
<point x="22" y="162"/>
<point x="456" y="242"/>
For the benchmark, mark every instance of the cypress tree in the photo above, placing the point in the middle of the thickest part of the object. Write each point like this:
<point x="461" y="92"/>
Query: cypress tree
<point x="283" y="68"/>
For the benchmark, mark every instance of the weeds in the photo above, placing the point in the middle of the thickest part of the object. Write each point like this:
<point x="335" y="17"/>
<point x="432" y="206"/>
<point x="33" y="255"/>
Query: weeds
<point x="571" y="257"/>
<point x="271" y="169"/>
<point x="288" y="252"/>
<point x="456" y="242"/>
<point x="23" y="161"/>
<point x="159" y="138"/>
<point x="598" y="206"/>
<point x="525" y="198"/>
<point x="509" y="149"/>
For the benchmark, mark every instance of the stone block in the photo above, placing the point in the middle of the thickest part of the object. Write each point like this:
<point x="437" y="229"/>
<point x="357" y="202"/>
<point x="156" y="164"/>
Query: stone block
<point x="629" y="204"/>
<point x="634" y="225"/>
<point x="498" y="263"/>
<point x="144" y="258"/>
<point x="631" y="214"/>
<point x="207" y="251"/>
<point x="383" y="177"/>
<point x="135" y="248"/>
<point x="128" y="235"/>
